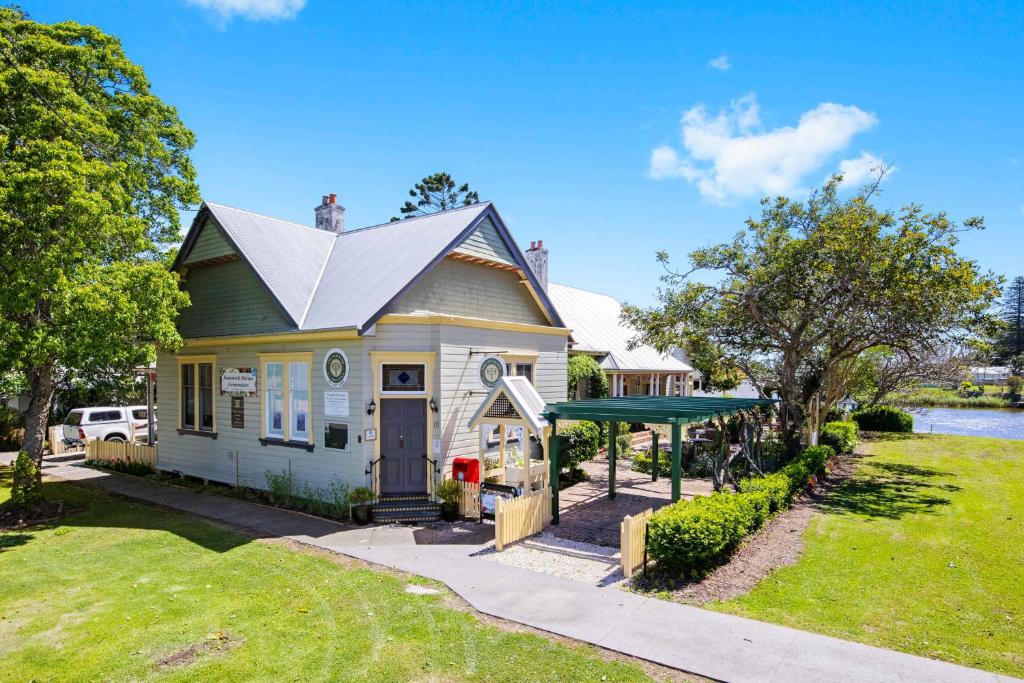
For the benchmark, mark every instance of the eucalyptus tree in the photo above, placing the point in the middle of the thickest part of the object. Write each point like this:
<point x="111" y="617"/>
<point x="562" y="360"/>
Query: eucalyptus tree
<point x="810" y="286"/>
<point x="93" y="171"/>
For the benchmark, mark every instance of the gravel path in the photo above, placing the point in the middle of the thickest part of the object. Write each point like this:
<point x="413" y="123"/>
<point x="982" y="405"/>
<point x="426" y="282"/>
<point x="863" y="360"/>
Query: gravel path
<point x="594" y="564"/>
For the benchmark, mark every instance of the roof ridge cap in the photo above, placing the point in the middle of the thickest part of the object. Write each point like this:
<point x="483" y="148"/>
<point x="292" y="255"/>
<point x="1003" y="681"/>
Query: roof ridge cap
<point x="416" y="218"/>
<point x="263" y="215"/>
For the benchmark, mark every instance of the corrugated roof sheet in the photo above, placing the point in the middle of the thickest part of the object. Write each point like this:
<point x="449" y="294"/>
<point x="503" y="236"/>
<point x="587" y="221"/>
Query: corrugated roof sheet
<point x="288" y="257"/>
<point x="370" y="266"/>
<point x="596" y="328"/>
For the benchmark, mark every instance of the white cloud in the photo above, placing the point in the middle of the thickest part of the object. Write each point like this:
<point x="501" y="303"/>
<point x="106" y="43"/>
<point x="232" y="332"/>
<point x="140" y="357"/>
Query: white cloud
<point x="729" y="155"/>
<point x="858" y="171"/>
<point x="256" y="10"/>
<point x="721" y="63"/>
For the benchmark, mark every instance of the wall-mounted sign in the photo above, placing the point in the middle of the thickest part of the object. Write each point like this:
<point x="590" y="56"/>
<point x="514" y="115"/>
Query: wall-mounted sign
<point x="370" y="434"/>
<point x="238" y="412"/>
<point x="238" y="381"/>
<point x="492" y="369"/>
<point x="335" y="367"/>
<point x="336" y="403"/>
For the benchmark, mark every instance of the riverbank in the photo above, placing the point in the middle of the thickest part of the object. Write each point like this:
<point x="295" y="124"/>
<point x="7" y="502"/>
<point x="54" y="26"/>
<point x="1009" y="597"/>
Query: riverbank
<point x="946" y="398"/>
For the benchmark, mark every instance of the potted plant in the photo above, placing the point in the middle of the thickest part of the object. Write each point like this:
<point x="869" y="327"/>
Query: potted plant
<point x="359" y="502"/>
<point x="448" y="492"/>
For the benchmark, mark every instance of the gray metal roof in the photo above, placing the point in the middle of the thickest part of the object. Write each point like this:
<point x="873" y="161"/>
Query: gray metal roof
<point x="327" y="281"/>
<point x="597" y="329"/>
<point x="287" y="257"/>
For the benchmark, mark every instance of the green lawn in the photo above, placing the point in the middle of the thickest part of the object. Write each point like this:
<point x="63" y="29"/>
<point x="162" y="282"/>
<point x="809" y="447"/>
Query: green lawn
<point x="921" y="551"/>
<point x="117" y="589"/>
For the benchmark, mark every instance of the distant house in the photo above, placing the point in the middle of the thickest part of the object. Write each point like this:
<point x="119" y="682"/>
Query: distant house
<point x="345" y="356"/>
<point x="598" y="331"/>
<point x="991" y="374"/>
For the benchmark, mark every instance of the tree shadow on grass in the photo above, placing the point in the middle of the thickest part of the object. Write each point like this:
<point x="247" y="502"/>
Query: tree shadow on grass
<point x="889" y="491"/>
<point x="91" y="508"/>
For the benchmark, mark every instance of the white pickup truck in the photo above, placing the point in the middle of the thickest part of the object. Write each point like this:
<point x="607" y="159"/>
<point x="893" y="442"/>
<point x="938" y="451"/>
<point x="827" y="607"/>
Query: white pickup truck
<point x="108" y="423"/>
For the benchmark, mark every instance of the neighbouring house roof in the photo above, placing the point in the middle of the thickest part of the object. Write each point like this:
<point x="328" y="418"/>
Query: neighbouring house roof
<point x="522" y="397"/>
<point x="323" y="280"/>
<point x="991" y="371"/>
<point x="597" y="330"/>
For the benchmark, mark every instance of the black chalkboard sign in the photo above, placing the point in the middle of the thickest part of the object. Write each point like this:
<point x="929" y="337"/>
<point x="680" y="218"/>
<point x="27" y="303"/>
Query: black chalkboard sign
<point x="238" y="412"/>
<point x="489" y="493"/>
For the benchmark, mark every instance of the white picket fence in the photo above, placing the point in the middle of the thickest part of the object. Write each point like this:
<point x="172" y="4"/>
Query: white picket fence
<point x="521" y="517"/>
<point x="633" y="537"/>
<point x="121" y="451"/>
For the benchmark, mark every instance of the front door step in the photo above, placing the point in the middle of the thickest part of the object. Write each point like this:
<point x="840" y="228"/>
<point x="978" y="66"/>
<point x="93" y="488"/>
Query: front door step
<point x="411" y="508"/>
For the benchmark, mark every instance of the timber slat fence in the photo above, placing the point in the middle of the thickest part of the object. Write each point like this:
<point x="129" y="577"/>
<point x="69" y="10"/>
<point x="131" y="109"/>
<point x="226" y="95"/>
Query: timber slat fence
<point x="121" y="451"/>
<point x="521" y="517"/>
<point x="469" y="499"/>
<point x="633" y="537"/>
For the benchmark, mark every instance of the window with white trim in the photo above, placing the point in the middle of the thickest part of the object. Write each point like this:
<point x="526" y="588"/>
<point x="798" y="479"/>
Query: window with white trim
<point x="286" y="397"/>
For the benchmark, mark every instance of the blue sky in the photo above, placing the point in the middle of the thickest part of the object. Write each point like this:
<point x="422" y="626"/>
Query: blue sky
<point x="608" y="130"/>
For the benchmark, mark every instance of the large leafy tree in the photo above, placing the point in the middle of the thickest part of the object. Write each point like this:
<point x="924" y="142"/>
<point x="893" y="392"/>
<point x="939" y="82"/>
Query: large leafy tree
<point x="437" y="192"/>
<point x="810" y="286"/>
<point x="93" y="171"/>
<point x="1010" y="342"/>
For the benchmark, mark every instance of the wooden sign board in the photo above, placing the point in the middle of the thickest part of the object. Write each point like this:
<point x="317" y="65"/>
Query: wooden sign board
<point x="238" y="412"/>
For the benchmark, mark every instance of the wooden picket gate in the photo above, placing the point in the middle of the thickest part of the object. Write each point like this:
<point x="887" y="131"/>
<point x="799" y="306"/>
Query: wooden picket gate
<point x="633" y="537"/>
<point x="57" y="447"/>
<point x="469" y="499"/>
<point x="521" y="517"/>
<point x="121" y="451"/>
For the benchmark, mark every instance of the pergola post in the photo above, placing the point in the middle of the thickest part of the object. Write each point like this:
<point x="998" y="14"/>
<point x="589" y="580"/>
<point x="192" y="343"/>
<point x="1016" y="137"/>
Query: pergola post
<point x="553" y="456"/>
<point x="613" y="434"/>
<point x="677" y="465"/>
<point x="655" y="452"/>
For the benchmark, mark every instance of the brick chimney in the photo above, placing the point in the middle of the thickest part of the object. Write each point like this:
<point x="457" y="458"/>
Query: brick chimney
<point x="537" y="259"/>
<point x="330" y="215"/>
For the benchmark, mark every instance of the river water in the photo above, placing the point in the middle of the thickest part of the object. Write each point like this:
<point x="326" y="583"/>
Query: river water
<point x="1005" y="423"/>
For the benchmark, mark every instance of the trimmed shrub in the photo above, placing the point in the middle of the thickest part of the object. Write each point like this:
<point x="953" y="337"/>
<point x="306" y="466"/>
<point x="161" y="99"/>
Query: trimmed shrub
<point x="624" y="444"/>
<point x="798" y="474"/>
<point x="578" y="443"/>
<point x="775" y="487"/>
<point x="816" y="457"/>
<point x="139" y="469"/>
<point x="841" y="436"/>
<point x="884" y="419"/>
<point x="643" y="461"/>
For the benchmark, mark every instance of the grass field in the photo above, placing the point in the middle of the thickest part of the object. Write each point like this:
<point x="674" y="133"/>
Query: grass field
<point x="921" y="551"/>
<point x="123" y="591"/>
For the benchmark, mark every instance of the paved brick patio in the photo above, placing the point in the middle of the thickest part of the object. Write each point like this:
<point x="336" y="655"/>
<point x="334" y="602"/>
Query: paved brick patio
<point x="587" y="515"/>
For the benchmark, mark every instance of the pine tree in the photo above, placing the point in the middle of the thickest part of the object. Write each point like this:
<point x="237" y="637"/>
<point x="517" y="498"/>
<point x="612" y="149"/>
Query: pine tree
<point x="1011" y="342"/>
<point x="437" y="192"/>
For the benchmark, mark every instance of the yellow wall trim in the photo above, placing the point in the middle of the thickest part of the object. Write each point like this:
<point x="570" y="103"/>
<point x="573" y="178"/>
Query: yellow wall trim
<point x="318" y="335"/>
<point x="462" y="321"/>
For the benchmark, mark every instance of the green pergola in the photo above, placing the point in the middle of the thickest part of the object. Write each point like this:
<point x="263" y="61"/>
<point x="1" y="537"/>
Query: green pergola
<point x="674" y="411"/>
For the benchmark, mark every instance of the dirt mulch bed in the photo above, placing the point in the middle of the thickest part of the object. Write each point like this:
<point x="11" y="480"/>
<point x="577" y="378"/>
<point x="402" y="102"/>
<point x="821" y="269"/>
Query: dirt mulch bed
<point x="778" y="544"/>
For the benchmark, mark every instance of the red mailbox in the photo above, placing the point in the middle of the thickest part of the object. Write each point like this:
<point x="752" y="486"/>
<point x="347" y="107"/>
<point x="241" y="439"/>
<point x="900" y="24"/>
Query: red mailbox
<point x="466" y="469"/>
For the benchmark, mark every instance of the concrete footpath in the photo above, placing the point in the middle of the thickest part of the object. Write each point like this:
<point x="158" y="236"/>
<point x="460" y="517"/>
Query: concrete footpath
<point x="718" y="646"/>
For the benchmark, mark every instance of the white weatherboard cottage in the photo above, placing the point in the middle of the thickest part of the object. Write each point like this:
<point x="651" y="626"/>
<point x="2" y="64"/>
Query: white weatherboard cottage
<point x="356" y="357"/>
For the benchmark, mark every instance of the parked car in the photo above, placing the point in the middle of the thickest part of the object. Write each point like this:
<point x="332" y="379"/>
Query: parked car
<point x="107" y="423"/>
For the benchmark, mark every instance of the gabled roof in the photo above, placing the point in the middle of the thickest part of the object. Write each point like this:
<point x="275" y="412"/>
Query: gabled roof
<point x="327" y="281"/>
<point x="597" y="329"/>
<point x="522" y="397"/>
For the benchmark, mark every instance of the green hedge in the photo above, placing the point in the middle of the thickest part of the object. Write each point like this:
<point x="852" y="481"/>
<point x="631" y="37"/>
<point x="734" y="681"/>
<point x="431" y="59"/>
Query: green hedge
<point x="578" y="443"/>
<point x="884" y="419"/>
<point x="842" y="436"/>
<point x="691" y="536"/>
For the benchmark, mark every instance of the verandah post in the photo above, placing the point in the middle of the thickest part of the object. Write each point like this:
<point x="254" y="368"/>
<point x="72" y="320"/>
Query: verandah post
<point x="677" y="466"/>
<point x="553" y="456"/>
<point x="613" y="434"/>
<point x="654" y="455"/>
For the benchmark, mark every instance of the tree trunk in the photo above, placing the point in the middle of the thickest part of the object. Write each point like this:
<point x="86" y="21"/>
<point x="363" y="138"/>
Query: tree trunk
<point x="41" y="386"/>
